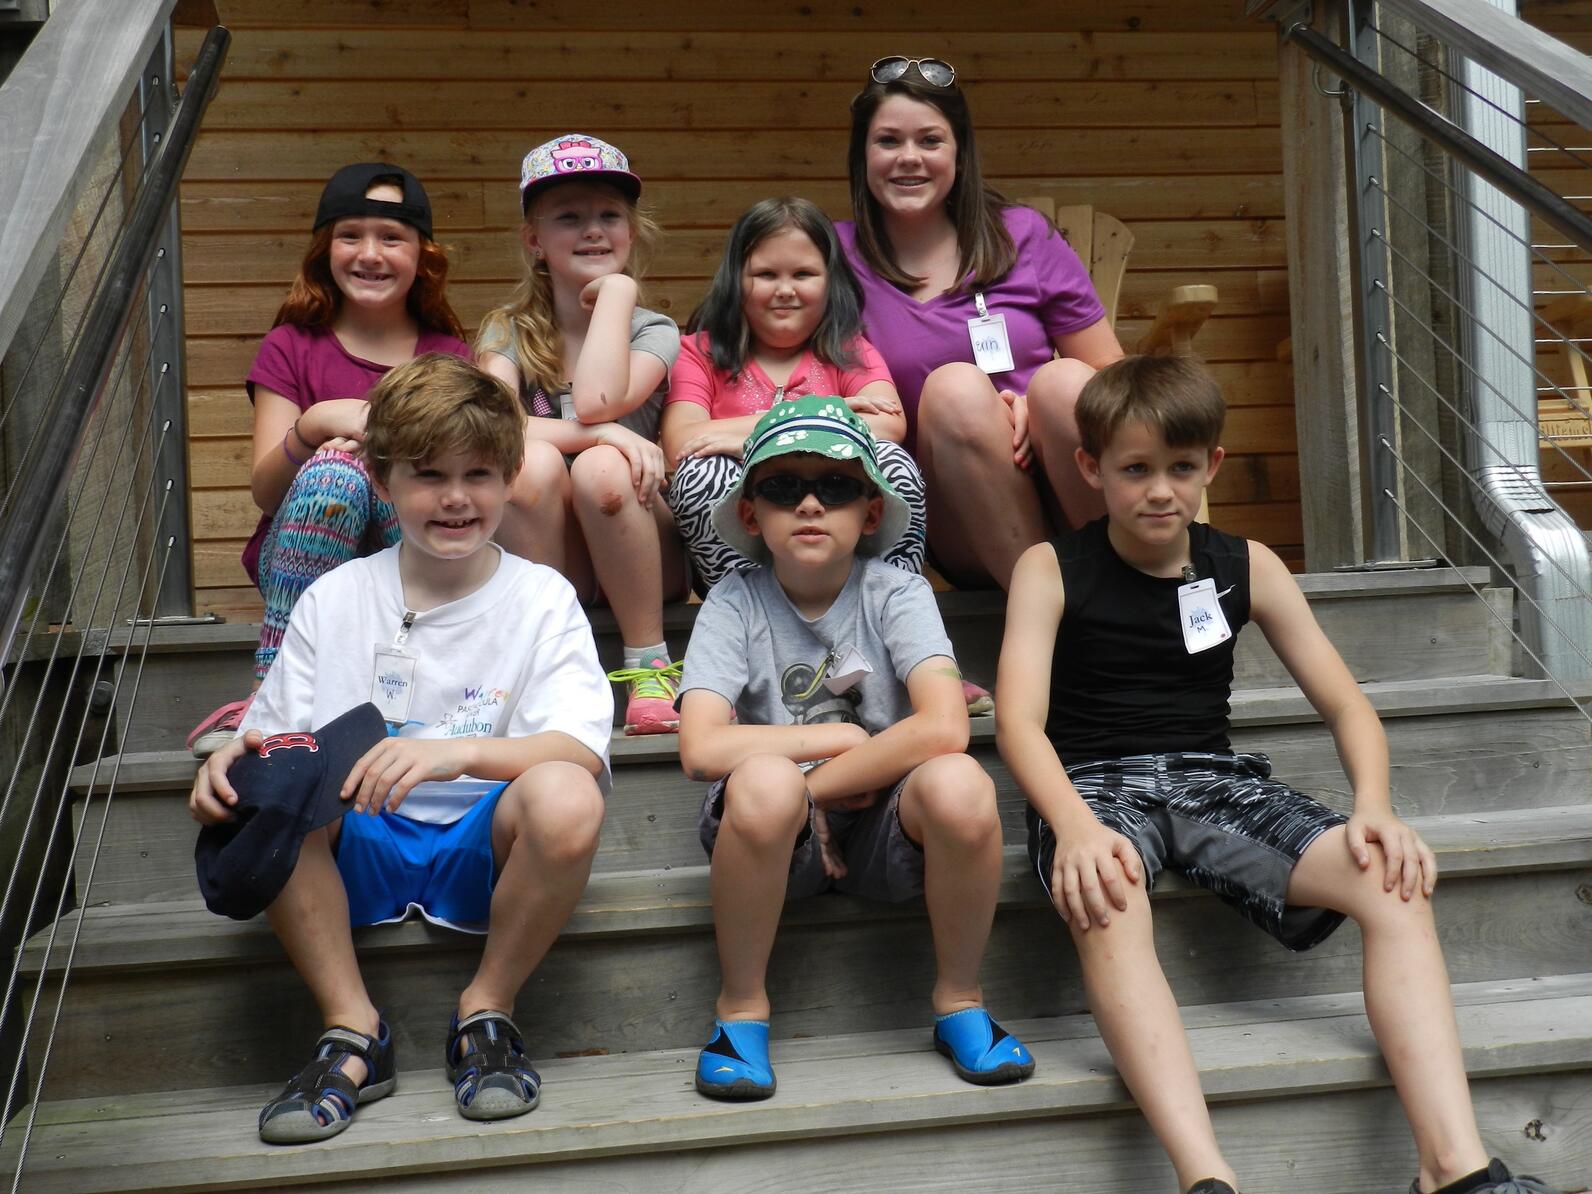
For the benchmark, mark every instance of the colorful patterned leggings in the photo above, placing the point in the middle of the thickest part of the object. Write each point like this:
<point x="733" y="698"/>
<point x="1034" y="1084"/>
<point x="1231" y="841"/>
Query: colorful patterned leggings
<point x="329" y="515"/>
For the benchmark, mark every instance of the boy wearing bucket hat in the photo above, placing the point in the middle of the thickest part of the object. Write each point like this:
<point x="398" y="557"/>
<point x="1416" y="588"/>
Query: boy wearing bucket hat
<point x="479" y="803"/>
<point x="822" y="699"/>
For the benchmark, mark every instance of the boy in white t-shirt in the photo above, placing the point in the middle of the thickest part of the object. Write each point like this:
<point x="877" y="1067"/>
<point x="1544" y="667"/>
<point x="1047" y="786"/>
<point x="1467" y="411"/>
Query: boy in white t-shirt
<point x="483" y="806"/>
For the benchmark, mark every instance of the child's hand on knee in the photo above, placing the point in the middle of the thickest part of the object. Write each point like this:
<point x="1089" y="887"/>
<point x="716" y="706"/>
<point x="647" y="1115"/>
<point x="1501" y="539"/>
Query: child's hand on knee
<point x="213" y="797"/>
<point x="646" y="460"/>
<point x="391" y="769"/>
<point x="1408" y="862"/>
<point x="1090" y="873"/>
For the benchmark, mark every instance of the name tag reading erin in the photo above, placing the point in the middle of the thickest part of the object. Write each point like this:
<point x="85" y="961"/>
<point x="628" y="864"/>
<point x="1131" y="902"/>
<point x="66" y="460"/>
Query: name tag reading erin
<point x="1204" y="624"/>
<point x="392" y="682"/>
<point x="992" y="351"/>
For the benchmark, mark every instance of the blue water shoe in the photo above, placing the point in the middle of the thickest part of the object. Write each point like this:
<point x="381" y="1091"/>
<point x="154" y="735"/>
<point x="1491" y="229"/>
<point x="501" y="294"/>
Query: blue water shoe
<point x="981" y="1051"/>
<point x="734" y="1064"/>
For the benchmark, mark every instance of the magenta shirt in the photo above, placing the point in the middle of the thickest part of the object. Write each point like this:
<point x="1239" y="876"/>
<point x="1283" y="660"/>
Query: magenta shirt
<point x="307" y="367"/>
<point x="1046" y="293"/>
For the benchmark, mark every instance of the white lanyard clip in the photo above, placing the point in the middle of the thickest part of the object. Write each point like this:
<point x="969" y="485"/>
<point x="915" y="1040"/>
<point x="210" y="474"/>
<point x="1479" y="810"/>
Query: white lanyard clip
<point x="983" y="309"/>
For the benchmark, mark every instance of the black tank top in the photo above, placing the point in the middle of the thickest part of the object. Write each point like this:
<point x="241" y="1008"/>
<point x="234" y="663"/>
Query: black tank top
<point x="1122" y="681"/>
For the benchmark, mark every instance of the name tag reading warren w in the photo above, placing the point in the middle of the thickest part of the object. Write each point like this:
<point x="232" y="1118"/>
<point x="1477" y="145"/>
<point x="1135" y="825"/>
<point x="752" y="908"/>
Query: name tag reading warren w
<point x="392" y="682"/>
<point x="1200" y="613"/>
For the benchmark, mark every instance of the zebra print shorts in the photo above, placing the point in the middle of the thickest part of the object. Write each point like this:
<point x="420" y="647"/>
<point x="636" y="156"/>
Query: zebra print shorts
<point x="1220" y="819"/>
<point x="701" y="481"/>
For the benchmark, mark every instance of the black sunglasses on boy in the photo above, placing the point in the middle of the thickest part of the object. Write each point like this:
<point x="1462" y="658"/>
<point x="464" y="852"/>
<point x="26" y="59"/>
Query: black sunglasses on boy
<point x="788" y="490"/>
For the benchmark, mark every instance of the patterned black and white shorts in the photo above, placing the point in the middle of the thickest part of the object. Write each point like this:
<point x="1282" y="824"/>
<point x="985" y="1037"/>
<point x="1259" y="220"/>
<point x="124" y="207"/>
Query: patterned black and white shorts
<point x="701" y="481"/>
<point x="1220" y="819"/>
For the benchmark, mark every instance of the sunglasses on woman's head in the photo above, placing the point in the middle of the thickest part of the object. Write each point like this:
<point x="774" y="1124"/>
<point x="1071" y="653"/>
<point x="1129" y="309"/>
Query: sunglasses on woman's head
<point x="831" y="489"/>
<point x="934" y="71"/>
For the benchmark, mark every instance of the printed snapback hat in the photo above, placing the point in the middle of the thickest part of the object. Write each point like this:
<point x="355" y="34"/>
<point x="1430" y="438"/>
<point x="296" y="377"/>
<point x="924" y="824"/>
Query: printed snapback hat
<point x="576" y="155"/>
<point x="344" y="196"/>
<point x="287" y="788"/>
<point x="824" y="426"/>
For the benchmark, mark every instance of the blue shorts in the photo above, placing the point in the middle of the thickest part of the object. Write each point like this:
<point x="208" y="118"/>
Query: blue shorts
<point x="392" y="865"/>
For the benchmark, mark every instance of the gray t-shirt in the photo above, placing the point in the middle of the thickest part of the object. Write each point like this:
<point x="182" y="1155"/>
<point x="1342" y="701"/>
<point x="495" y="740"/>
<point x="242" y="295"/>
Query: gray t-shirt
<point x="650" y="331"/>
<point x="754" y="649"/>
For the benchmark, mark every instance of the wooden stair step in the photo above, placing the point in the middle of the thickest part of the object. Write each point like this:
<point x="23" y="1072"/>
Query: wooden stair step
<point x="1461" y="745"/>
<point x="1403" y="624"/>
<point x="599" y="1112"/>
<point x="635" y="968"/>
<point x="674" y="899"/>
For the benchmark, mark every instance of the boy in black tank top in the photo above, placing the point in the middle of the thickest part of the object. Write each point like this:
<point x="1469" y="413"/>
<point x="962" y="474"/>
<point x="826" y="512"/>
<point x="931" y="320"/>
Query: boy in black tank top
<point x="1112" y="706"/>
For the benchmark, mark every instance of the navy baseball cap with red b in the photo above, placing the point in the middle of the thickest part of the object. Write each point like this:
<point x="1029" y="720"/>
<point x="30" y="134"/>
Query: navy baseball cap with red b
<point x="289" y="787"/>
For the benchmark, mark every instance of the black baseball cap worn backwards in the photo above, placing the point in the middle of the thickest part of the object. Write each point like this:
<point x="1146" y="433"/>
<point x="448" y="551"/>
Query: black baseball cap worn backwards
<point x="344" y="196"/>
<point x="286" y="789"/>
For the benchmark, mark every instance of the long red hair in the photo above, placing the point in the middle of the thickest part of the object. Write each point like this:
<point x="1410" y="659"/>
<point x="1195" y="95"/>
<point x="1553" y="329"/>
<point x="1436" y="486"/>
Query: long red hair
<point x="314" y="302"/>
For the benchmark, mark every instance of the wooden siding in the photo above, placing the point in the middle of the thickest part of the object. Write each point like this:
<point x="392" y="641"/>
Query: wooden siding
<point x="1163" y="112"/>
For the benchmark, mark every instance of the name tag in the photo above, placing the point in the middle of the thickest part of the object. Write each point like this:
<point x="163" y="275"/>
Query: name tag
<point x="392" y="682"/>
<point x="1204" y="623"/>
<point x="992" y="351"/>
<point x="566" y="405"/>
<point x="847" y="667"/>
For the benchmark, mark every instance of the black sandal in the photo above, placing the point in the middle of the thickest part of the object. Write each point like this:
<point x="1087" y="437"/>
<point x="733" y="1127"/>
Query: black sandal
<point x="318" y="1102"/>
<point x="494" y="1080"/>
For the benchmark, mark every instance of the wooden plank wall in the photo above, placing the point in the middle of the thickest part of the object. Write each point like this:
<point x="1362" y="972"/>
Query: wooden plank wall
<point x="1566" y="470"/>
<point x="1163" y="112"/>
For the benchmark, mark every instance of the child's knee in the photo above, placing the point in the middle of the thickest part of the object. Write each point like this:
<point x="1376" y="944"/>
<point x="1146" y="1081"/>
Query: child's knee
<point x="542" y="475"/>
<point x="559" y="806"/>
<point x="955" y="796"/>
<point x="602" y="481"/>
<point x="766" y="799"/>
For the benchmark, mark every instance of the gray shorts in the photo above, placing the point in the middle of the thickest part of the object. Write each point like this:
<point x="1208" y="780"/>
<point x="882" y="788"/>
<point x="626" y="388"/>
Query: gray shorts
<point x="1220" y="819"/>
<point x="882" y="862"/>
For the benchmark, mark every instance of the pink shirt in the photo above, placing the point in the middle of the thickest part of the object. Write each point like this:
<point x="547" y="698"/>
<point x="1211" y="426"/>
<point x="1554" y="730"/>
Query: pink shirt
<point x="1046" y="293"/>
<point x="307" y="367"/>
<point x="695" y="380"/>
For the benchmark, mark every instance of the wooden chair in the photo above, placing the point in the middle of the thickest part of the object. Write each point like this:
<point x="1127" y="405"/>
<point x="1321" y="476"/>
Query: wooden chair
<point x="1103" y="242"/>
<point x="1559" y="420"/>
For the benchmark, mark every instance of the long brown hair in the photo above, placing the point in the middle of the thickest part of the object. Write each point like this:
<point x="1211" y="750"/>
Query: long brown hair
<point x="984" y="246"/>
<point x="313" y="302"/>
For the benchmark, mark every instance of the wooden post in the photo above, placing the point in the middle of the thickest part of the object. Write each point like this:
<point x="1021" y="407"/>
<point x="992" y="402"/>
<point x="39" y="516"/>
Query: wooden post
<point x="1321" y="307"/>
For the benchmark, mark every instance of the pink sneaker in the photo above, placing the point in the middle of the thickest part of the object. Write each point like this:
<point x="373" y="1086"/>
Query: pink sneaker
<point x="979" y="700"/>
<point x="220" y="728"/>
<point x="650" y="709"/>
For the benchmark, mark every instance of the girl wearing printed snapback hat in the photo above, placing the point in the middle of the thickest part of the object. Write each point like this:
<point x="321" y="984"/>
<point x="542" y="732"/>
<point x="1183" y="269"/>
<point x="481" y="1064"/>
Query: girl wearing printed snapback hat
<point x="591" y="367"/>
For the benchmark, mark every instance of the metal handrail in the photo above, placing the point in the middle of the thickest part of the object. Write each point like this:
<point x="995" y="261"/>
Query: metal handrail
<point x="1539" y="63"/>
<point x="1536" y="198"/>
<point x="38" y="486"/>
<point x="56" y="108"/>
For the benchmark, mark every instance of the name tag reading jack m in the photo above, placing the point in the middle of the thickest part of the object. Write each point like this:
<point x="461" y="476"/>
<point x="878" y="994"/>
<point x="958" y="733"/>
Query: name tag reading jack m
<point x="1200" y="614"/>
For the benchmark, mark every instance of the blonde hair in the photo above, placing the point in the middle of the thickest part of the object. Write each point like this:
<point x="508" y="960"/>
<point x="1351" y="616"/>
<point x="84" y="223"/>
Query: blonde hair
<point x="439" y="403"/>
<point x="527" y="321"/>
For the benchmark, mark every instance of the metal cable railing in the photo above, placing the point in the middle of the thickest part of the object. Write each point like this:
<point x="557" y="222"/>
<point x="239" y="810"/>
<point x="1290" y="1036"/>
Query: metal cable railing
<point x="84" y="515"/>
<point x="1468" y="327"/>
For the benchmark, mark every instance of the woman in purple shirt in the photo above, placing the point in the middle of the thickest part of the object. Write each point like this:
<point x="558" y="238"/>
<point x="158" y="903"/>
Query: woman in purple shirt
<point x="985" y="316"/>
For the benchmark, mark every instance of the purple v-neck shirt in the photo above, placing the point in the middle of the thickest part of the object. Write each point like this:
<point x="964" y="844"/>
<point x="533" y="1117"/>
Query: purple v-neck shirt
<point x="1046" y="293"/>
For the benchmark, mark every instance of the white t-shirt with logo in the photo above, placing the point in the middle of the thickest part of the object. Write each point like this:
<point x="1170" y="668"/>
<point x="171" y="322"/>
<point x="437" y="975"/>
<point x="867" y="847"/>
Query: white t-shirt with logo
<point x="512" y="659"/>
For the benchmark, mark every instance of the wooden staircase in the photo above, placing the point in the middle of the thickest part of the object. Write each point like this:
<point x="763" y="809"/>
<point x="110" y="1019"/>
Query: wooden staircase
<point x="177" y="1025"/>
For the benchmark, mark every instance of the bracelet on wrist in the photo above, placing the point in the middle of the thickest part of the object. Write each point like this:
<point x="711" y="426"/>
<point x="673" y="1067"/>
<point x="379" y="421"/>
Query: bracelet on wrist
<point x="292" y="459"/>
<point x="299" y="435"/>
